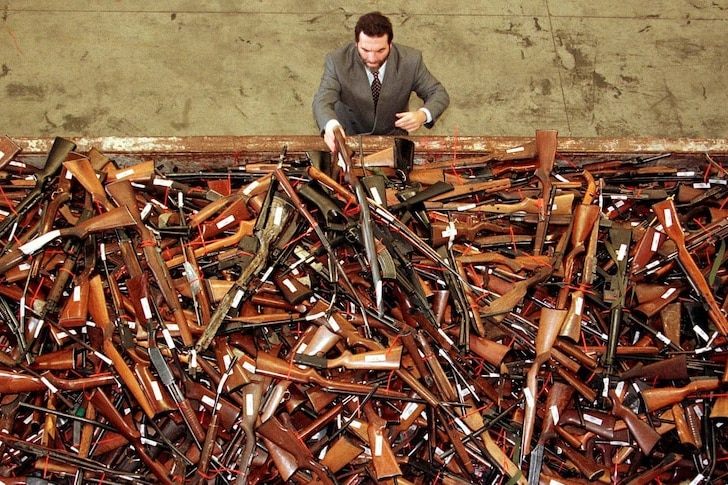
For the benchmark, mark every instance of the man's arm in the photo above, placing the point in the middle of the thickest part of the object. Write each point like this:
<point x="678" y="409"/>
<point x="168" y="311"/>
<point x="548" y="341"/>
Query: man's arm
<point x="431" y="91"/>
<point x="329" y="92"/>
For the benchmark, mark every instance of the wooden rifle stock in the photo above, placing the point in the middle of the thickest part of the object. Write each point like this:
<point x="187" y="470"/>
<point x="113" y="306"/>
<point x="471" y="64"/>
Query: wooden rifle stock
<point x="645" y="436"/>
<point x="8" y="150"/>
<point x="489" y="350"/>
<point x="383" y="458"/>
<point x="589" y="468"/>
<point x="658" y="398"/>
<point x="100" y="315"/>
<point x="105" y="407"/>
<point x="123" y="194"/>
<point x="140" y="172"/>
<point x="674" y="368"/>
<point x="274" y="431"/>
<point x="341" y="453"/>
<point x="546" y="141"/>
<point x="119" y="217"/>
<point x="385" y="359"/>
<point x="82" y="171"/>
<point x="667" y="215"/>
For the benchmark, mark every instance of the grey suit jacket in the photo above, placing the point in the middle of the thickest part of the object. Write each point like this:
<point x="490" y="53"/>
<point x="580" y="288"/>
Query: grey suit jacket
<point x="344" y="93"/>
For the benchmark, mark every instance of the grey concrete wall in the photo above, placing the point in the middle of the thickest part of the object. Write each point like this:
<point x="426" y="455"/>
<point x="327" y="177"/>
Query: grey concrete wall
<point x="138" y="68"/>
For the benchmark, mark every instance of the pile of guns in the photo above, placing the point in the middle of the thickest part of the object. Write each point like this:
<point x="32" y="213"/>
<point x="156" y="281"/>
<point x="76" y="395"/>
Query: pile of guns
<point x="350" y="318"/>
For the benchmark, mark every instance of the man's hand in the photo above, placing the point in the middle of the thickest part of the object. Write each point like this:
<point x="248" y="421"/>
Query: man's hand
<point x="410" y="120"/>
<point x="329" y="137"/>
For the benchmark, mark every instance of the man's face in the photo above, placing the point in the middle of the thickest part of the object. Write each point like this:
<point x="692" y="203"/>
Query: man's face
<point x="373" y="50"/>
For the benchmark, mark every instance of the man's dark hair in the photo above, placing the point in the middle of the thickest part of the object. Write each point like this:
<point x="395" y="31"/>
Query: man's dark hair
<point x="374" y="24"/>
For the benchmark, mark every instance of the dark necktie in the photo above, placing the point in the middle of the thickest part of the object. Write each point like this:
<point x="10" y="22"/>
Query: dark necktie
<point x="376" y="88"/>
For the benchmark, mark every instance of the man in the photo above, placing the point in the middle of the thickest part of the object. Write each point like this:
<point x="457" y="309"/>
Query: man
<point x="345" y="97"/>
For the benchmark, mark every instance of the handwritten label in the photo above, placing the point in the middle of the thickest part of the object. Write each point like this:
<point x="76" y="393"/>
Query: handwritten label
<point x="124" y="174"/>
<point x="655" y="241"/>
<point x="251" y="187"/>
<point x="225" y="222"/>
<point x="593" y="419"/>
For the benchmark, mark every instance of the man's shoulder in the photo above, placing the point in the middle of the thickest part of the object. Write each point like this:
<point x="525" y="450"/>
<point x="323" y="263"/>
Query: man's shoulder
<point x="345" y="51"/>
<point x="405" y="50"/>
<point x="404" y="56"/>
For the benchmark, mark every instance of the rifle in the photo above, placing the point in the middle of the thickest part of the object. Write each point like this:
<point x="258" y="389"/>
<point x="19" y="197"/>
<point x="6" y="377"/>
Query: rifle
<point x="644" y="434"/>
<point x="104" y="406"/>
<point x="620" y="239"/>
<point x="658" y="398"/>
<point x="385" y="359"/>
<point x="271" y="221"/>
<point x="119" y="217"/>
<point x="16" y="383"/>
<point x="667" y="215"/>
<point x="269" y="365"/>
<point x="560" y="205"/>
<point x="548" y="329"/>
<point x="99" y="314"/>
<point x="123" y="194"/>
<point x="522" y="152"/>
<point x="546" y="148"/>
<point x="57" y="154"/>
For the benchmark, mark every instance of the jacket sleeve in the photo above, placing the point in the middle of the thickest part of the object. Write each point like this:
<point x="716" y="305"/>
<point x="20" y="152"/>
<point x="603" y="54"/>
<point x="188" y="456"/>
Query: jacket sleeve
<point x="328" y="94"/>
<point x="430" y="90"/>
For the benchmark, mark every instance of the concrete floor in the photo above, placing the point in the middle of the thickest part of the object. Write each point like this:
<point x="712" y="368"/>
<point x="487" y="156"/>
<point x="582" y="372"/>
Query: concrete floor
<point x="186" y="68"/>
